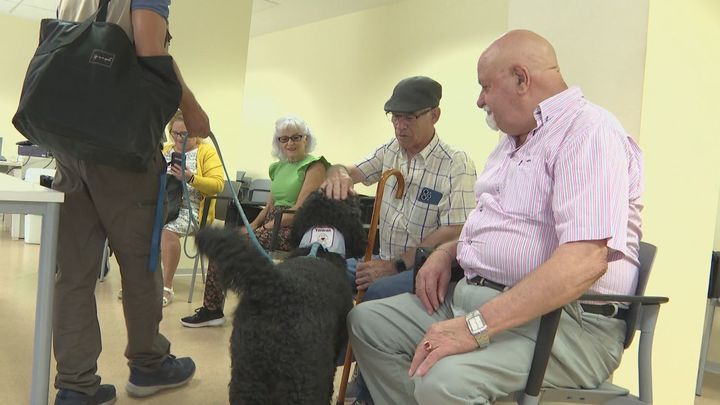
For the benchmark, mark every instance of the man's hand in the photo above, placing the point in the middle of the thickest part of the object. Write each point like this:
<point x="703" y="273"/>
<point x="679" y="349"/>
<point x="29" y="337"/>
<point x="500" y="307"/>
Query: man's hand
<point x="433" y="279"/>
<point x="444" y="338"/>
<point x="368" y="272"/>
<point x="338" y="183"/>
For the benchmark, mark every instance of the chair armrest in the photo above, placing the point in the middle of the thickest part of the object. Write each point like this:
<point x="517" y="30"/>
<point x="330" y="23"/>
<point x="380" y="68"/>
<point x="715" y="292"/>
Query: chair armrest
<point x="548" y="328"/>
<point x="543" y="346"/>
<point x="251" y="210"/>
<point x="276" y="227"/>
<point x="645" y="300"/>
<point x="206" y="209"/>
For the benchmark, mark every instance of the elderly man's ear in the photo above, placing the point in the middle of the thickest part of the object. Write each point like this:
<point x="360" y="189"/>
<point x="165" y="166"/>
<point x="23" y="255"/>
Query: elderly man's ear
<point x="522" y="76"/>
<point x="435" y="115"/>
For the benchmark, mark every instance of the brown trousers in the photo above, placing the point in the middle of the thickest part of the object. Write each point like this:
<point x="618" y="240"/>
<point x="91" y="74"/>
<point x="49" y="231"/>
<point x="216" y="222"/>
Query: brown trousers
<point x="104" y="202"/>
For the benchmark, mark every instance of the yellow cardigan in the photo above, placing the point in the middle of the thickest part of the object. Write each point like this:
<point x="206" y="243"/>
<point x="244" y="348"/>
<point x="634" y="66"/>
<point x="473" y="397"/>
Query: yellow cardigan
<point x="209" y="179"/>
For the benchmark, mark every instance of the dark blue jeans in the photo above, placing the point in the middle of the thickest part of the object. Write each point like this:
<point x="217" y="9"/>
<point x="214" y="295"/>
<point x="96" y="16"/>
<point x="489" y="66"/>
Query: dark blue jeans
<point x="384" y="287"/>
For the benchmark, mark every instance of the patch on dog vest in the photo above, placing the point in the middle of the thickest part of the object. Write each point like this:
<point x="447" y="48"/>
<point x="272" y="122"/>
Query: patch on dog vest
<point x="329" y="238"/>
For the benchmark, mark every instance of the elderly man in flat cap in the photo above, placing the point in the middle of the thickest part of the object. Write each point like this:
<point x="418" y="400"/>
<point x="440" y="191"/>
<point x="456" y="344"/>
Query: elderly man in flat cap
<point x="438" y="188"/>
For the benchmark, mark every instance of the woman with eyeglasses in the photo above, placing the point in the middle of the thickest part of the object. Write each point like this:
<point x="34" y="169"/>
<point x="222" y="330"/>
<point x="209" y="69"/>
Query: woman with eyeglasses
<point x="294" y="176"/>
<point x="203" y="176"/>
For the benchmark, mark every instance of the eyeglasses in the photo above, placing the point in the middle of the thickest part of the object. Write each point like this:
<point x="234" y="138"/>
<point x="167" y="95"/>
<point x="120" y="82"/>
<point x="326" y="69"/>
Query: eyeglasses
<point x="182" y="134"/>
<point x="294" y="138"/>
<point x="395" y="118"/>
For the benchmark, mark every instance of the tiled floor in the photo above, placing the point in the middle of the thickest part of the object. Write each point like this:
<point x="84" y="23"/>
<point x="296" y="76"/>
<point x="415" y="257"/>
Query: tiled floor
<point x="208" y="346"/>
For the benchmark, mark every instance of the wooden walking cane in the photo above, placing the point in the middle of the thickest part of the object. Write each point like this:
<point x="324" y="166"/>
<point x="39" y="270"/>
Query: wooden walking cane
<point x="368" y="255"/>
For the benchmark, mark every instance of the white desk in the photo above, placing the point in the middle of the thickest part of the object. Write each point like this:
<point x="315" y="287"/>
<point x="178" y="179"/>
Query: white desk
<point x="20" y="197"/>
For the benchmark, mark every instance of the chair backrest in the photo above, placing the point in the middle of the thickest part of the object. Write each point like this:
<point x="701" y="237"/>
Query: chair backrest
<point x="647" y="258"/>
<point x="259" y="191"/>
<point x="367" y="204"/>
<point x="222" y="205"/>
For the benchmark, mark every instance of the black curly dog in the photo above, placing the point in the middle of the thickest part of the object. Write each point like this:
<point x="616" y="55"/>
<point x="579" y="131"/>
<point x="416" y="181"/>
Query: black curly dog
<point x="289" y="325"/>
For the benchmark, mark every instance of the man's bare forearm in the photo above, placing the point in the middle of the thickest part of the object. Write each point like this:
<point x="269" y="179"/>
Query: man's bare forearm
<point x="569" y="272"/>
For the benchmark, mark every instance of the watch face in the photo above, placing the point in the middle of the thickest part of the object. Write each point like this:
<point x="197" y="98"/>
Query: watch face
<point x="475" y="324"/>
<point x="478" y="328"/>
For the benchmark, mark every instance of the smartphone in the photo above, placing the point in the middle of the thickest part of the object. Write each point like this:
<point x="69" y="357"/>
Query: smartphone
<point x="176" y="159"/>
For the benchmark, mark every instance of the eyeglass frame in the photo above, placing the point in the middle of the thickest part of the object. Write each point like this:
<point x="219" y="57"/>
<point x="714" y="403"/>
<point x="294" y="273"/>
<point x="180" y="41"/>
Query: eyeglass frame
<point x="295" y="138"/>
<point x="407" y="117"/>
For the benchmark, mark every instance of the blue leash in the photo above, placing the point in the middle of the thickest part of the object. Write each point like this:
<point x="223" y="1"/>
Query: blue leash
<point x="313" y="249"/>
<point x="250" y="231"/>
<point x="157" y="225"/>
<point x="159" y="210"/>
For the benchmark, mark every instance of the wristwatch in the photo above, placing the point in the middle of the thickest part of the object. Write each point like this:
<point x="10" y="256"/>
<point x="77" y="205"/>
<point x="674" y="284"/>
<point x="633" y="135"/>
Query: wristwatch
<point x="478" y="328"/>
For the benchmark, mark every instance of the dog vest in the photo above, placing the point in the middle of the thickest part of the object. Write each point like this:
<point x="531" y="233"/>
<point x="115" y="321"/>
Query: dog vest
<point x="329" y="238"/>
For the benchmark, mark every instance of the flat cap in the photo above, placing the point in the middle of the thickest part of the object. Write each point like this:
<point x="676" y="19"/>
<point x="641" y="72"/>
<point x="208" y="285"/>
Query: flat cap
<point x="414" y="94"/>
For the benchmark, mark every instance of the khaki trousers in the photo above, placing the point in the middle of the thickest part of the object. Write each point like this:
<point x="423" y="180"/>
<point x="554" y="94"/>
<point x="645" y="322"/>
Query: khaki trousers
<point x="104" y="202"/>
<point x="384" y="334"/>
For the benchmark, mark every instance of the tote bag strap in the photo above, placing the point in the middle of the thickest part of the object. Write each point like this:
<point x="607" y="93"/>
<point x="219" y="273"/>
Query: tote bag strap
<point x="59" y="41"/>
<point x="101" y="13"/>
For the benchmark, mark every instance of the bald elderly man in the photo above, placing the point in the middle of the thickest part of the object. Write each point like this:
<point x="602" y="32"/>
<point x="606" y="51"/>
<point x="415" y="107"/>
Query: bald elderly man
<point x="558" y="215"/>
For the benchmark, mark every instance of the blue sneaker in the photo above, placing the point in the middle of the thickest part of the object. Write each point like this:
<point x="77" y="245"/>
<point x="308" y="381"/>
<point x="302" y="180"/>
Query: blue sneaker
<point x="172" y="373"/>
<point x="105" y="395"/>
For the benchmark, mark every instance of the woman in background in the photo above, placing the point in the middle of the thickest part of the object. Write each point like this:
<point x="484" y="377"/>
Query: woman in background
<point x="204" y="177"/>
<point x="294" y="176"/>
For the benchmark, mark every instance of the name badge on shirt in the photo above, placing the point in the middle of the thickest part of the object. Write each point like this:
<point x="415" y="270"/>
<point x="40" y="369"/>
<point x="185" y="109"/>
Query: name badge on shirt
<point x="429" y="196"/>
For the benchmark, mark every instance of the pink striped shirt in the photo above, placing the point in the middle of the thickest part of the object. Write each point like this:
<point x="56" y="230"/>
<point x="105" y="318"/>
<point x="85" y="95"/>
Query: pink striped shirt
<point x="578" y="176"/>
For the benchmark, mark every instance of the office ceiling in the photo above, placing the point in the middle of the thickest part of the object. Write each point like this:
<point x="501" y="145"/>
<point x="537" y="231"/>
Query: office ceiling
<point x="268" y="15"/>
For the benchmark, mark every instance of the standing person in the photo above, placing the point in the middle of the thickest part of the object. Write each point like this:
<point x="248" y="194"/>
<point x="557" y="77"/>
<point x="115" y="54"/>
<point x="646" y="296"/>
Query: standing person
<point x="204" y="178"/>
<point x="558" y="215"/>
<point x="294" y="176"/>
<point x="106" y="202"/>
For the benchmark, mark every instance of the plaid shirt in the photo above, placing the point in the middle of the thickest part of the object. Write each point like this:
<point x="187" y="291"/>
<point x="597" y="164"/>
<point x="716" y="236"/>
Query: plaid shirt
<point x="438" y="192"/>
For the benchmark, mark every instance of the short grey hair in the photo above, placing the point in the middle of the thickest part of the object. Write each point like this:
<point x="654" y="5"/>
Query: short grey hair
<point x="298" y="125"/>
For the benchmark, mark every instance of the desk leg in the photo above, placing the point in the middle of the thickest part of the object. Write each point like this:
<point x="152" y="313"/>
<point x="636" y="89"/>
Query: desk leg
<point x="43" y="312"/>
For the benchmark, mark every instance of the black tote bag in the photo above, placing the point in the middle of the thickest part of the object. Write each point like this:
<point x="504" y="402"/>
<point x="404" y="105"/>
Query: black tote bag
<point x="87" y="95"/>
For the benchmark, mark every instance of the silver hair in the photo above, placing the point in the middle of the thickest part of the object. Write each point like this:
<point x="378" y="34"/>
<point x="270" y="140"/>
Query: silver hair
<point x="299" y="126"/>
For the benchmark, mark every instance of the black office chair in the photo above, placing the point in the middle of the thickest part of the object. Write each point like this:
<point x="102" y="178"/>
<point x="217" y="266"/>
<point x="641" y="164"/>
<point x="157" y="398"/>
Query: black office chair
<point x="641" y="315"/>
<point x="223" y="212"/>
<point x="257" y="195"/>
<point x="713" y="300"/>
